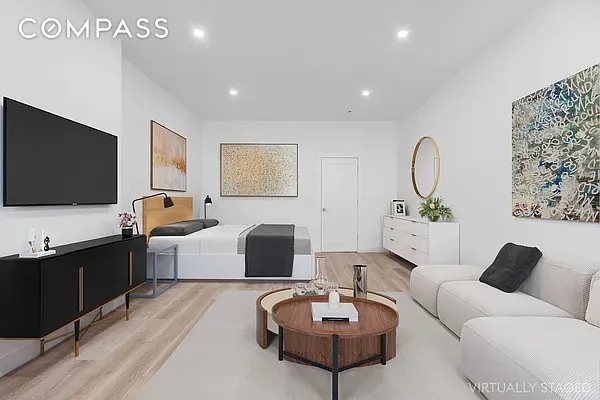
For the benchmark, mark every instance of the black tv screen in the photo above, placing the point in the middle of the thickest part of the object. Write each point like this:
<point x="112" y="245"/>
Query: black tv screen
<point x="51" y="160"/>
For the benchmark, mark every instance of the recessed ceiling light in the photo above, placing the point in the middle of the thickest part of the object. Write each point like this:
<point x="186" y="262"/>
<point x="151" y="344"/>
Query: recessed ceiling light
<point x="199" y="33"/>
<point x="366" y="93"/>
<point x="403" y="34"/>
<point x="233" y="92"/>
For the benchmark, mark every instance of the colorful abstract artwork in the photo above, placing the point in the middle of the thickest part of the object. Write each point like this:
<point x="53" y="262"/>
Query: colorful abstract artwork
<point x="169" y="159"/>
<point x="556" y="150"/>
<point x="259" y="170"/>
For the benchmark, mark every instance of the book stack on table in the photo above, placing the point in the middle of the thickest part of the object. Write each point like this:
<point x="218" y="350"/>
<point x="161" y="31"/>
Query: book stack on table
<point x="346" y="312"/>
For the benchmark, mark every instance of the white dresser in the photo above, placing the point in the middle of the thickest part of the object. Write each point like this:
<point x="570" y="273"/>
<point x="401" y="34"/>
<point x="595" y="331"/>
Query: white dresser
<point x="422" y="242"/>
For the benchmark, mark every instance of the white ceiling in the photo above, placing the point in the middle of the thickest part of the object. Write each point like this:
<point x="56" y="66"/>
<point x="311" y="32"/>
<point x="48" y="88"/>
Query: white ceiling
<point x="310" y="59"/>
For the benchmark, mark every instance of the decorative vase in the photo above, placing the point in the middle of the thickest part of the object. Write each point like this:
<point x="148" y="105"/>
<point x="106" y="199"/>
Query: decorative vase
<point x="334" y="300"/>
<point x="360" y="281"/>
<point x="126" y="231"/>
<point x="435" y="218"/>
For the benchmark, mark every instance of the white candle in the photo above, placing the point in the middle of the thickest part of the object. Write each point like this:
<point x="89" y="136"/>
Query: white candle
<point x="334" y="300"/>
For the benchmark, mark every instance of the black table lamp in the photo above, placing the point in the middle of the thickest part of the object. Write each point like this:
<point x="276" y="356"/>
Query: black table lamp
<point x="207" y="202"/>
<point x="167" y="203"/>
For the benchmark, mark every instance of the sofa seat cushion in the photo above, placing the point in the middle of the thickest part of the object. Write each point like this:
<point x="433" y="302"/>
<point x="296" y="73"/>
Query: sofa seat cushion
<point x="459" y="302"/>
<point x="550" y="358"/>
<point x="425" y="281"/>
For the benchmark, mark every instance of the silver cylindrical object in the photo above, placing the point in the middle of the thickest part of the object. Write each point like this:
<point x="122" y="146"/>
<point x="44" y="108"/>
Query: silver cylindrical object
<point x="360" y="281"/>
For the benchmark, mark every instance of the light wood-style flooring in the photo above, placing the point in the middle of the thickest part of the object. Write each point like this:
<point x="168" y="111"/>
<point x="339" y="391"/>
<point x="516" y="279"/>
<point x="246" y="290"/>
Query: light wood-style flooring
<point x="118" y="357"/>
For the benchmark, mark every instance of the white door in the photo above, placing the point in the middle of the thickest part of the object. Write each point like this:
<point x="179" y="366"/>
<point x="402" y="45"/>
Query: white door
<point x="339" y="204"/>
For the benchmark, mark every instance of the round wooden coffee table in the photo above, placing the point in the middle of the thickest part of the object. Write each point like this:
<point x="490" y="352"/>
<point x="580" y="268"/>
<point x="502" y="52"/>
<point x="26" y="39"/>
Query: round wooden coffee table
<point x="267" y="329"/>
<point x="335" y="346"/>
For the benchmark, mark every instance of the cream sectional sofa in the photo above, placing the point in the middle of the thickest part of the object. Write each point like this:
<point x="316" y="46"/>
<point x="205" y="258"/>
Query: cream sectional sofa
<point x="530" y="344"/>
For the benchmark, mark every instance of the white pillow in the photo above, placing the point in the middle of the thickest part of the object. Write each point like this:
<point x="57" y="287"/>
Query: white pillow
<point x="593" y="311"/>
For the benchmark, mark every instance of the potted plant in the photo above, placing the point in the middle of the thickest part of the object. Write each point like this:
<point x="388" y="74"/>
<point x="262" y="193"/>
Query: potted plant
<point x="127" y="221"/>
<point x="433" y="209"/>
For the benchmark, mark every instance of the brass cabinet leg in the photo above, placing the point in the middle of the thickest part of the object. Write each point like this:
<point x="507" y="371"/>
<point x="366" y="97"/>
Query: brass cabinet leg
<point x="76" y="324"/>
<point x="127" y="306"/>
<point x="42" y="347"/>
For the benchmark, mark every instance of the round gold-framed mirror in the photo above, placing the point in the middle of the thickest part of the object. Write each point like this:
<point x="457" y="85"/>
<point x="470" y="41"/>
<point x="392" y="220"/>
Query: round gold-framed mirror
<point x="425" y="167"/>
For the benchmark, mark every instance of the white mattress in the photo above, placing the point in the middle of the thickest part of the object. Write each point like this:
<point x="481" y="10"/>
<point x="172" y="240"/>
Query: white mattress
<point x="220" y="239"/>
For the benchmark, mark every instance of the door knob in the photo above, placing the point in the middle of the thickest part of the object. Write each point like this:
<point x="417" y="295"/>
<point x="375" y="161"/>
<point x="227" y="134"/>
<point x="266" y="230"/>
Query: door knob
<point x="324" y="210"/>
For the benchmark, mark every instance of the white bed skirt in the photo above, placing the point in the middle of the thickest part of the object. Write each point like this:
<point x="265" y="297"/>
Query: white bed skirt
<point x="226" y="267"/>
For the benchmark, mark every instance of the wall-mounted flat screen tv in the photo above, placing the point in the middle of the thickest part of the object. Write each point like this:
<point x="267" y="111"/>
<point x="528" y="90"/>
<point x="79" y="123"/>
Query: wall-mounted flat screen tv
<point x="49" y="160"/>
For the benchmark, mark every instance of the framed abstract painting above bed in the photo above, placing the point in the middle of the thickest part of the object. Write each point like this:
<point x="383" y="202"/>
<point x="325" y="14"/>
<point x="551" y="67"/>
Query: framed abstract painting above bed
<point x="259" y="170"/>
<point x="168" y="169"/>
<point x="556" y="150"/>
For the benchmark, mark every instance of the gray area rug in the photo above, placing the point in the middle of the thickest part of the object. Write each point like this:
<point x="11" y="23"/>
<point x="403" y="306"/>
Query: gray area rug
<point x="219" y="359"/>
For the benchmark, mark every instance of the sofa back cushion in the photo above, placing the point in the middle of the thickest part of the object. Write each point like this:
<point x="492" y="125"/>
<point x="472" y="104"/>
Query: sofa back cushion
<point x="593" y="310"/>
<point x="512" y="266"/>
<point x="567" y="287"/>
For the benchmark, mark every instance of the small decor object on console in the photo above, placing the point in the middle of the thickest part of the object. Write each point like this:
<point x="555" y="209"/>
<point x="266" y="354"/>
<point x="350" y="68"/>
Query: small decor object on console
<point x="127" y="221"/>
<point x="47" y="243"/>
<point x="32" y="240"/>
<point x="398" y="208"/>
<point x="433" y="209"/>
<point x="34" y="251"/>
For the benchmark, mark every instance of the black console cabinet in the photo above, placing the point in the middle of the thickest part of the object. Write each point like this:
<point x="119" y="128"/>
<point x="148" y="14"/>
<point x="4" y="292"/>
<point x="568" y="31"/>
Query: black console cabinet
<point x="41" y="295"/>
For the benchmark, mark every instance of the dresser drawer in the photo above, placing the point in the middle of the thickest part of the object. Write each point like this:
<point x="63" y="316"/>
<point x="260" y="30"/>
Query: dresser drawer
<point x="409" y="226"/>
<point x="387" y="243"/>
<point x="411" y="254"/>
<point x="391" y="245"/>
<point x="409" y="239"/>
<point x="388" y="222"/>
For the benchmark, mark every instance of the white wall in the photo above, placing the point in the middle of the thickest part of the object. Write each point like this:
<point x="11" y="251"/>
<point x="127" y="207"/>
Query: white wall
<point x="374" y="143"/>
<point x="79" y="79"/>
<point x="470" y="117"/>
<point x="143" y="101"/>
<point x="88" y="81"/>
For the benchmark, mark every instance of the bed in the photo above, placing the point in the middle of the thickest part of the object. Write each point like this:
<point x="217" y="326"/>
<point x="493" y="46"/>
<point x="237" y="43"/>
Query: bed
<point x="216" y="252"/>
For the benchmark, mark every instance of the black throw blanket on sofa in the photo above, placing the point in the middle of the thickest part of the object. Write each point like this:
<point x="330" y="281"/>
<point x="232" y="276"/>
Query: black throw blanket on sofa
<point x="270" y="251"/>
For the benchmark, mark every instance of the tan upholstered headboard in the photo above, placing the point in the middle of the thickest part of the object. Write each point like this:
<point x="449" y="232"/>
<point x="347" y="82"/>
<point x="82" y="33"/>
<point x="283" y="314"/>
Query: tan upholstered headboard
<point x="154" y="213"/>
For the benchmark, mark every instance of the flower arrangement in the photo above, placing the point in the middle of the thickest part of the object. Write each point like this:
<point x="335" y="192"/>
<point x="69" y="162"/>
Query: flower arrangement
<point x="434" y="209"/>
<point x="127" y="220"/>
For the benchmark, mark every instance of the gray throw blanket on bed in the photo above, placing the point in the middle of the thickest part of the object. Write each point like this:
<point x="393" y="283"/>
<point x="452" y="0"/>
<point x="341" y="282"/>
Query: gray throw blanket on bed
<point x="270" y="251"/>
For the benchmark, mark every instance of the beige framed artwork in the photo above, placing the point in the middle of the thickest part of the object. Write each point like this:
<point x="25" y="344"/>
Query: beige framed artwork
<point x="168" y="166"/>
<point x="259" y="170"/>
